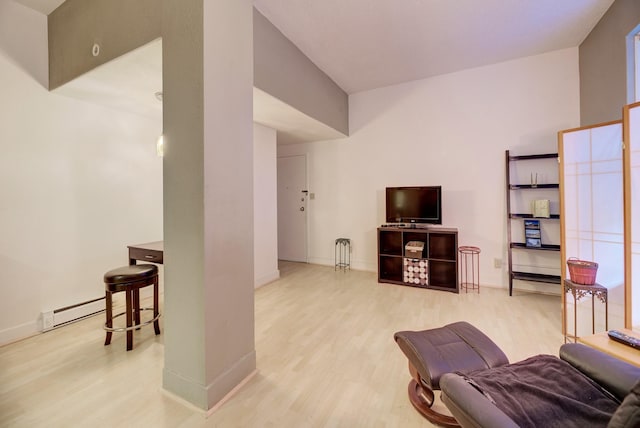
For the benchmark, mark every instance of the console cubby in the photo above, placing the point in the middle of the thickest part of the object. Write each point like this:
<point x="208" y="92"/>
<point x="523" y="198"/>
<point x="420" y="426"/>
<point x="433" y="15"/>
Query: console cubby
<point x="440" y="251"/>
<point x="443" y="246"/>
<point x="390" y="243"/>
<point x="441" y="273"/>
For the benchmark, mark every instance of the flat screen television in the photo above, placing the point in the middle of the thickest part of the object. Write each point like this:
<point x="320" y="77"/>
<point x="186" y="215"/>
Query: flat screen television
<point x="414" y="204"/>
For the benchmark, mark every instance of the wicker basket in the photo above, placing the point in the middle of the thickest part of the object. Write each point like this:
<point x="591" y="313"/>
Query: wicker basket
<point x="581" y="271"/>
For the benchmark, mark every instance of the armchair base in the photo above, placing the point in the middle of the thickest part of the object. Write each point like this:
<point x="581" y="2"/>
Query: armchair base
<point x="422" y="399"/>
<point x="456" y="347"/>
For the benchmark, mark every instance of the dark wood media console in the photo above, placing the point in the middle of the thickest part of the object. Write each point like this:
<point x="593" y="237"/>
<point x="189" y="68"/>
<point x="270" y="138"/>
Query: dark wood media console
<point x="437" y="266"/>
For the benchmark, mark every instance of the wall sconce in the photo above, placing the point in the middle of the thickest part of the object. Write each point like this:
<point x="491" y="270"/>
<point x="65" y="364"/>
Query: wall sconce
<point x="160" y="142"/>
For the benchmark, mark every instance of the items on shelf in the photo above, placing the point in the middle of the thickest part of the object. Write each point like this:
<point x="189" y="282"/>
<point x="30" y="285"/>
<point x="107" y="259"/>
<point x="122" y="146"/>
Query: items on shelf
<point x="540" y="208"/>
<point x="416" y="272"/>
<point x="414" y="249"/>
<point x="532" y="233"/>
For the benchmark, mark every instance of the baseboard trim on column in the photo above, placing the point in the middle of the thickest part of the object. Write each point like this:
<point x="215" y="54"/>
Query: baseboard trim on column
<point x="210" y="397"/>
<point x="224" y="385"/>
<point x="231" y="393"/>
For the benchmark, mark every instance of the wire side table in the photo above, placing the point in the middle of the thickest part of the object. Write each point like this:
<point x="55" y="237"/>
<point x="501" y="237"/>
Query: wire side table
<point x="578" y="291"/>
<point x="469" y="268"/>
<point x="342" y="254"/>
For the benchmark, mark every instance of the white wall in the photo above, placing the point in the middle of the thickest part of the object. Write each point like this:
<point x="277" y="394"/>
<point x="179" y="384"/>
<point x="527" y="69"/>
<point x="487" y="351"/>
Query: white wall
<point x="265" y="208"/>
<point x="450" y="130"/>
<point x="80" y="182"/>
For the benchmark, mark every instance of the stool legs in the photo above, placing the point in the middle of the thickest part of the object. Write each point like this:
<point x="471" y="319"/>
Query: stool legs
<point x="156" y="307"/>
<point x="136" y="306"/>
<point x="129" y="313"/>
<point x="108" y="310"/>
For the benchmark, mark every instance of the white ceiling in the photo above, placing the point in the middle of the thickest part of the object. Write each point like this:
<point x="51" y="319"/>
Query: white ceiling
<point x="42" y="6"/>
<point x="128" y="83"/>
<point x="293" y="126"/>
<point x="365" y="44"/>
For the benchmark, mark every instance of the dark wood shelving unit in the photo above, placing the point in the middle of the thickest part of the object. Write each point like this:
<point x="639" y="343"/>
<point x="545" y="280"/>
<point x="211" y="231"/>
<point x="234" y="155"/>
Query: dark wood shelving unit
<point x="511" y="216"/>
<point x="544" y="247"/>
<point x="536" y="277"/>
<point x="533" y="186"/>
<point x="440" y="253"/>
<point x="530" y="157"/>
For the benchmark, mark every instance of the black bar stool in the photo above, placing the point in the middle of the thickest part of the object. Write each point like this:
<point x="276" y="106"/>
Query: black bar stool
<point x="131" y="279"/>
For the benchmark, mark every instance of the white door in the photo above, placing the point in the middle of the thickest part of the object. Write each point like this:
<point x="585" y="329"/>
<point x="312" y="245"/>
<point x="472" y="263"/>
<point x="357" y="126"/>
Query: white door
<point x="292" y="208"/>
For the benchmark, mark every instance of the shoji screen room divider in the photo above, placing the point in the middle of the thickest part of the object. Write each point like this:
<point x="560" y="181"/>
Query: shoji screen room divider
<point x="632" y="213"/>
<point x="592" y="219"/>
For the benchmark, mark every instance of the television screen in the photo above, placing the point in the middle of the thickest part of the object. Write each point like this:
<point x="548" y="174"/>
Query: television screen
<point x="414" y="204"/>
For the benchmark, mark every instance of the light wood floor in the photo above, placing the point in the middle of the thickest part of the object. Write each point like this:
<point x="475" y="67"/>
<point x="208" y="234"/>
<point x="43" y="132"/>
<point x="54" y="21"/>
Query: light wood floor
<point x="325" y="353"/>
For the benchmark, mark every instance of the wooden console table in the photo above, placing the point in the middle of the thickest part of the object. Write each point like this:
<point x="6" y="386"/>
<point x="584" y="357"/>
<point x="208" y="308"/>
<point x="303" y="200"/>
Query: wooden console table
<point x="602" y="342"/>
<point x="152" y="252"/>
<point x="578" y="291"/>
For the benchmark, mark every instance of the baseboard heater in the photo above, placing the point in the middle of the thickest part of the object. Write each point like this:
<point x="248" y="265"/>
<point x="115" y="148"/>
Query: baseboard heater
<point x="72" y="313"/>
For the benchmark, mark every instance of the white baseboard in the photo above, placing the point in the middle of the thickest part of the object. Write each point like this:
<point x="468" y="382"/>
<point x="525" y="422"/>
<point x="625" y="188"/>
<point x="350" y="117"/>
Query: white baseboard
<point x="265" y="279"/>
<point x="19" y="332"/>
<point x="355" y="264"/>
<point x="206" y="397"/>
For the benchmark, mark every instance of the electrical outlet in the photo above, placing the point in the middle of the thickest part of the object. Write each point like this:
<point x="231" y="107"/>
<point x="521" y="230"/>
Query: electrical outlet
<point x="497" y="263"/>
<point x="47" y="320"/>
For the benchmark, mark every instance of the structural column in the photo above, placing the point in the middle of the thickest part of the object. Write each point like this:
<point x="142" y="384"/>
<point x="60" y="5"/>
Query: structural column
<point x="208" y="197"/>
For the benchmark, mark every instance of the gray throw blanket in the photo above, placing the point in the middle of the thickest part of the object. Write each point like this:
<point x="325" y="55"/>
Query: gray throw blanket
<point x="545" y="391"/>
